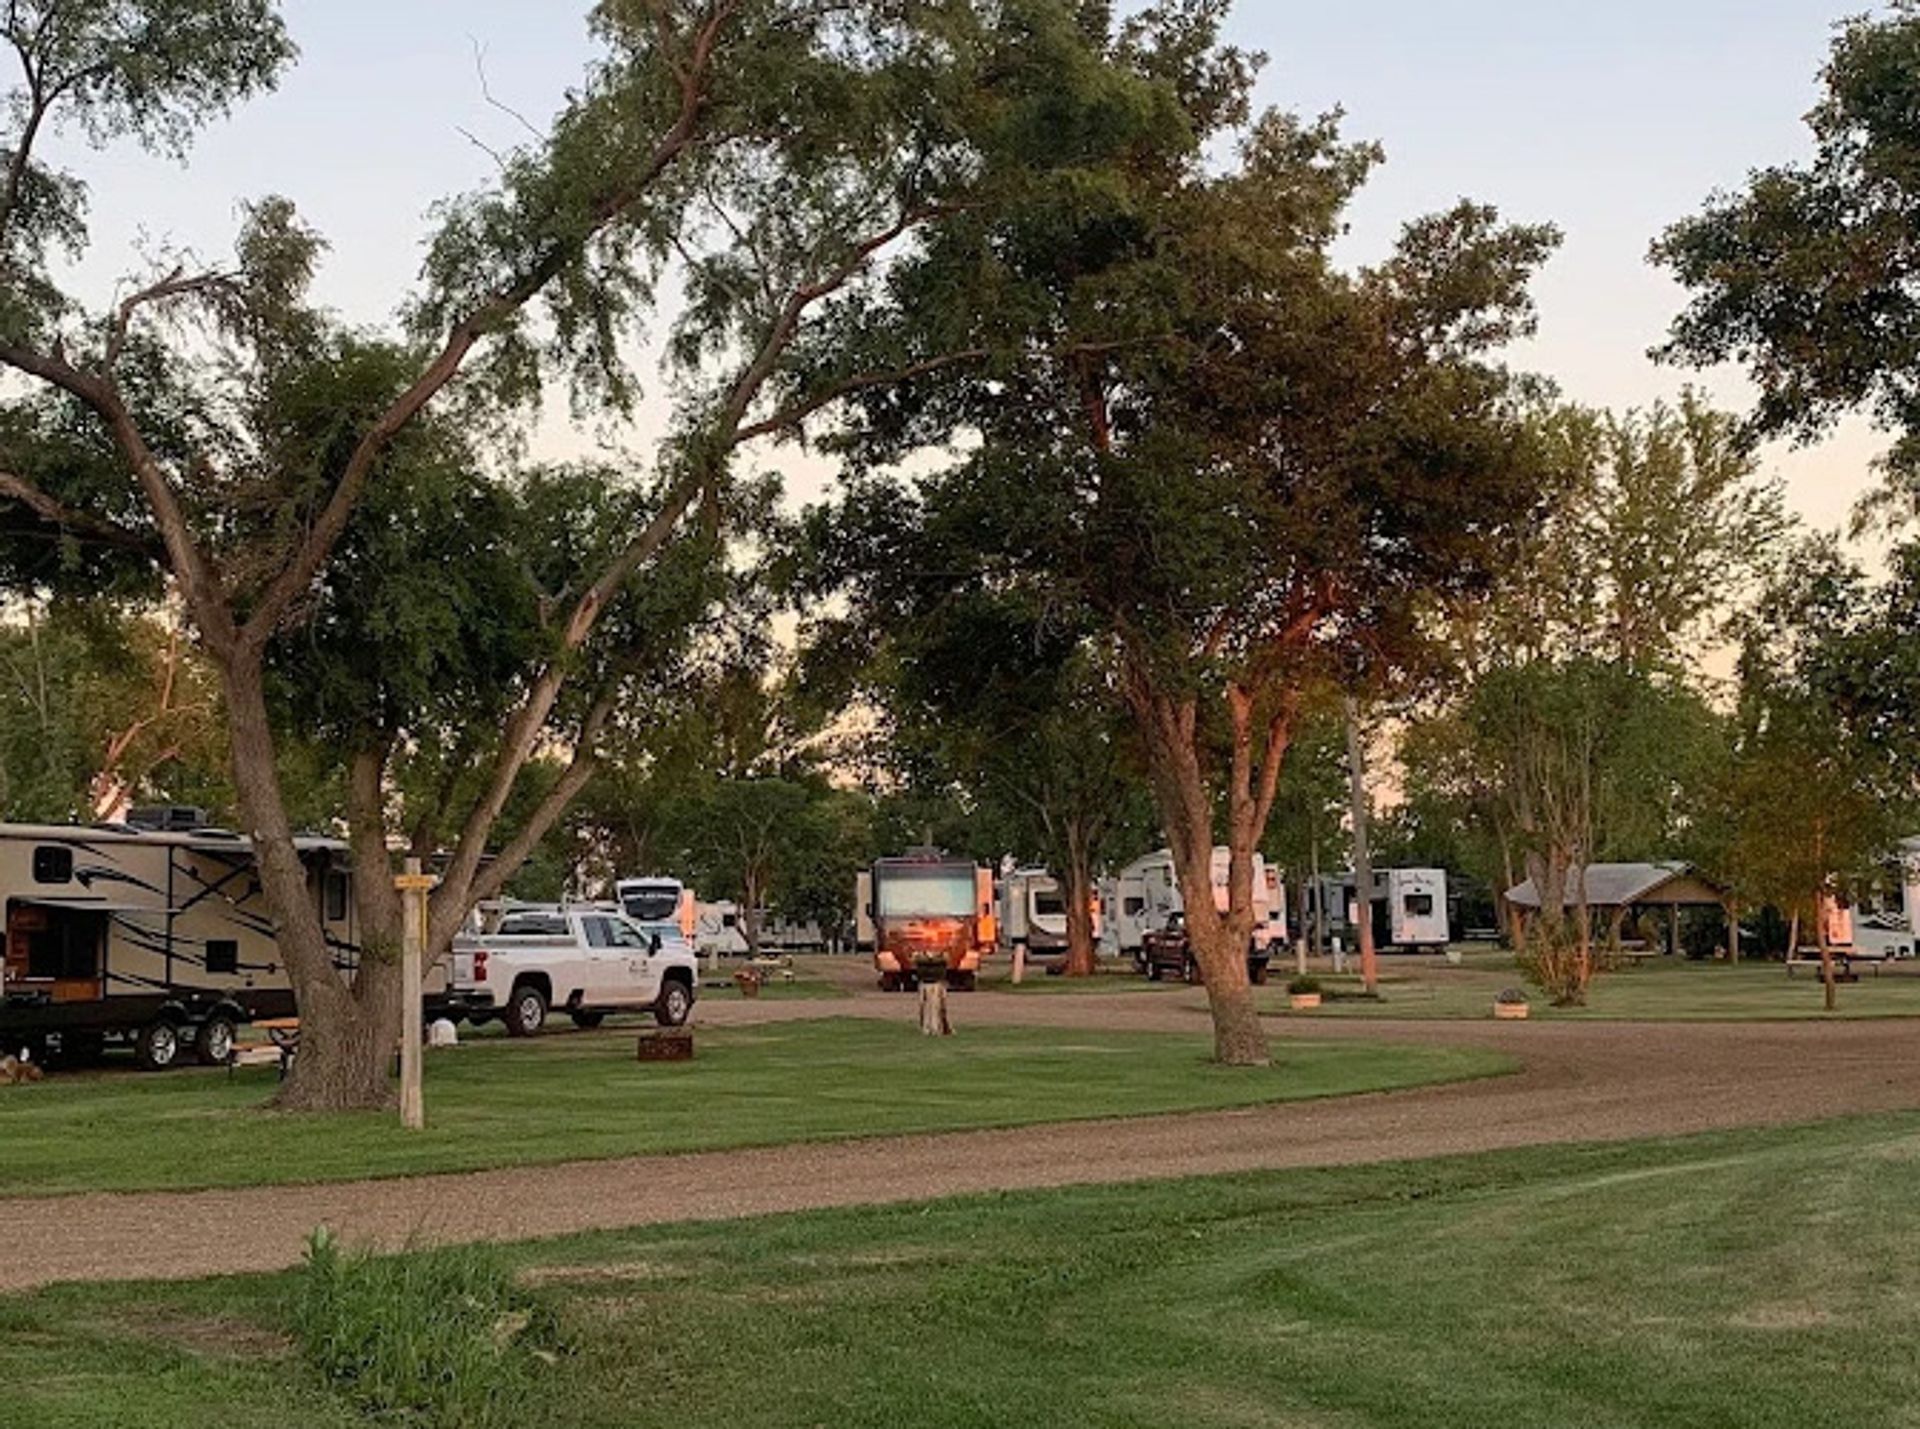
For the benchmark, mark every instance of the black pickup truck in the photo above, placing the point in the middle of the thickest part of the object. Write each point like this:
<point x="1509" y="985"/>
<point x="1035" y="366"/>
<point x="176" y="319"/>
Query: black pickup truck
<point x="1167" y="952"/>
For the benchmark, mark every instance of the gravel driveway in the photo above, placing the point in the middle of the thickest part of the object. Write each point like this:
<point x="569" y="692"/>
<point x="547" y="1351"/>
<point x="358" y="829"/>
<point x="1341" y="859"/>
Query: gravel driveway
<point x="1580" y="1082"/>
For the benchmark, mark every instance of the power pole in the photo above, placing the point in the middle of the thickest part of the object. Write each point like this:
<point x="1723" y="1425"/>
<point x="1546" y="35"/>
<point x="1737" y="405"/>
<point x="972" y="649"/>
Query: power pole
<point x="1362" y="853"/>
<point x="413" y="886"/>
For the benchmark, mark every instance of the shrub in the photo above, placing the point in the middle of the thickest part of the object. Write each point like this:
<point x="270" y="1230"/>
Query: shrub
<point x="444" y="1338"/>
<point x="1510" y="996"/>
<point x="1303" y="986"/>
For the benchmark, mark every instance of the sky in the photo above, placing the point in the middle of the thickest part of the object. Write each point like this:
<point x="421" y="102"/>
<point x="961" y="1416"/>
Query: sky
<point x="1610" y="118"/>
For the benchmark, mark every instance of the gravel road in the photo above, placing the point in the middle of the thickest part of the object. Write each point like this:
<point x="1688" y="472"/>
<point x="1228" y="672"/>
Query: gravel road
<point x="1580" y="1082"/>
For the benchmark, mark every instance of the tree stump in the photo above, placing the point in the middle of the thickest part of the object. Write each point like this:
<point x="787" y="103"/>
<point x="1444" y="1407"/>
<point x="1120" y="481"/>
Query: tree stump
<point x="934" y="1021"/>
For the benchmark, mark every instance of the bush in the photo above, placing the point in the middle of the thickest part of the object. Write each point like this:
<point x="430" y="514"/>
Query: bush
<point x="437" y="1338"/>
<point x="1303" y="986"/>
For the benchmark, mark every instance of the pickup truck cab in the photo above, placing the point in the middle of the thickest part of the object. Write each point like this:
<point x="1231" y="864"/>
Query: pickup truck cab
<point x="586" y="961"/>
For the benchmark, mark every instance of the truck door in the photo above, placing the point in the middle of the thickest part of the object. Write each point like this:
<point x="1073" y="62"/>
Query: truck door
<point x="632" y="977"/>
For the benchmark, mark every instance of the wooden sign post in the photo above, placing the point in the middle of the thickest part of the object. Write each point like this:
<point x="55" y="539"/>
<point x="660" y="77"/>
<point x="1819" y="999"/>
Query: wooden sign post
<point x="414" y="887"/>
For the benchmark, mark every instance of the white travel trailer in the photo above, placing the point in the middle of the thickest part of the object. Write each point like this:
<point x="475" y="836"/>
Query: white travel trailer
<point x="1033" y="911"/>
<point x="160" y="936"/>
<point x="1144" y="894"/>
<point x="1410" y="909"/>
<point x="717" y="929"/>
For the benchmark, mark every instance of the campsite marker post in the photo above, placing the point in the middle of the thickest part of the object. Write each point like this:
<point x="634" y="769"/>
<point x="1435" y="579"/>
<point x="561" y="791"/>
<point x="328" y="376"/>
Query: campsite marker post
<point x="413" y="886"/>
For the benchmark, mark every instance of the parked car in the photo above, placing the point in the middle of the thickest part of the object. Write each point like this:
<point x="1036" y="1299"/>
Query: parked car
<point x="1167" y="952"/>
<point x="585" y="961"/>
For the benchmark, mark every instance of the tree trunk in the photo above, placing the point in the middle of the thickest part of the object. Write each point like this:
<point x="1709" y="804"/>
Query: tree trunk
<point x="934" y="1021"/>
<point x="1362" y="848"/>
<point x="750" y="913"/>
<point x="1082" y="956"/>
<point x="342" y="1063"/>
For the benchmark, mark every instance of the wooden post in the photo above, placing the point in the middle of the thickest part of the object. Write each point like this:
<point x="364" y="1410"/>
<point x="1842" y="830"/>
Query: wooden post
<point x="1019" y="961"/>
<point x="1362" y="851"/>
<point x="413" y="886"/>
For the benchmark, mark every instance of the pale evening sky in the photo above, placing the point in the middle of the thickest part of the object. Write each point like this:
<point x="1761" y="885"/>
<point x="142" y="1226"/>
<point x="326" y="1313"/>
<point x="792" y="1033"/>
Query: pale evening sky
<point x="1610" y="119"/>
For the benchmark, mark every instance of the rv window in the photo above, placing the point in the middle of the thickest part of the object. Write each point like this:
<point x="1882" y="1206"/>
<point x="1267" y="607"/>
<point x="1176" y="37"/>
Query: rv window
<point x="1419" y="905"/>
<point x="1134" y="907"/>
<point x="223" y="956"/>
<point x="729" y="920"/>
<point x="52" y="864"/>
<point x="336" y="898"/>
<point x="1049" y="905"/>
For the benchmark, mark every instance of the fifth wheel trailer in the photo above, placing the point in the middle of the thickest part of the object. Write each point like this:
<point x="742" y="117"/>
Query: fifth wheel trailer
<point x="1142" y="896"/>
<point x="157" y="936"/>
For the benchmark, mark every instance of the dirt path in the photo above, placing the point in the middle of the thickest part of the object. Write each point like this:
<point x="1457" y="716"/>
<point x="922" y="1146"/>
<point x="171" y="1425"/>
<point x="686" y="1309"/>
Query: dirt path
<point x="1581" y="1082"/>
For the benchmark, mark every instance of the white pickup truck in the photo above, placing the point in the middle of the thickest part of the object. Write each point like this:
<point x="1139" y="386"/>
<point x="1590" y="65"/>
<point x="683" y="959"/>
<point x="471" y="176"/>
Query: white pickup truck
<point x="584" y="961"/>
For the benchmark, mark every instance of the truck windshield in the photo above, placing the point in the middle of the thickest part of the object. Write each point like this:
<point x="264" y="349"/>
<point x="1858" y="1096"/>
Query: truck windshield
<point x="651" y="903"/>
<point x="935" y="893"/>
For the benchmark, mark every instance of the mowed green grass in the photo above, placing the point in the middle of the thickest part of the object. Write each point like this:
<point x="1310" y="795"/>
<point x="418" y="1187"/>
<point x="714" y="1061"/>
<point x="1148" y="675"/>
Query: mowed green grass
<point x="1658" y="990"/>
<point x="1764" y="1278"/>
<point x="495" y="1102"/>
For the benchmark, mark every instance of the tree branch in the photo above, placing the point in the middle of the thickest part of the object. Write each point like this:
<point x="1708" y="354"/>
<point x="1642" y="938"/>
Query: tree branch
<point x="79" y="523"/>
<point x="331" y="522"/>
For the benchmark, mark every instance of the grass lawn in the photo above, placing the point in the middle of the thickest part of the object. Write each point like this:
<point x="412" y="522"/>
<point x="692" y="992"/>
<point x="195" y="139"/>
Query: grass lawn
<point x="1662" y="989"/>
<point x="579" y="1096"/>
<point x="1759" y="1279"/>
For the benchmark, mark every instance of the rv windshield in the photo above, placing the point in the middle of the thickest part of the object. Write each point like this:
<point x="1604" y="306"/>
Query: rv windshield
<point x="934" y="893"/>
<point x="1049" y="905"/>
<point x="651" y="902"/>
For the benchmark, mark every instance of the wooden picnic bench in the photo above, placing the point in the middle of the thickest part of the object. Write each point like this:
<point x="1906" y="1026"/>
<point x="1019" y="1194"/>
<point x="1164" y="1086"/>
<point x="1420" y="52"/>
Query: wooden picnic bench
<point x="1843" y="961"/>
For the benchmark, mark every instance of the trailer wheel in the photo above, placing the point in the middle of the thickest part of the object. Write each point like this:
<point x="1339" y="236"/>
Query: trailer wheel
<point x="214" y="1045"/>
<point x="157" y="1046"/>
<point x="587" y="1021"/>
<point x="526" y="1011"/>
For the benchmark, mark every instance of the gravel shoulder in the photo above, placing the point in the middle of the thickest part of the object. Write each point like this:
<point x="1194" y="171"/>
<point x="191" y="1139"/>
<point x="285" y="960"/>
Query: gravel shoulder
<point x="1579" y="1082"/>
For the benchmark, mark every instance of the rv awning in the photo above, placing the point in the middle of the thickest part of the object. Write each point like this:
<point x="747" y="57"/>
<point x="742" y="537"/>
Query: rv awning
<point x="89" y="905"/>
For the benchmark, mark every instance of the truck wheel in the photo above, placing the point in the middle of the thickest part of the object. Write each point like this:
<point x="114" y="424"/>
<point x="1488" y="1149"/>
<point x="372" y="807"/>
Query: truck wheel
<point x="675" y="1004"/>
<point x="526" y="1011"/>
<point x="157" y="1047"/>
<point x="214" y="1045"/>
<point x="587" y="1021"/>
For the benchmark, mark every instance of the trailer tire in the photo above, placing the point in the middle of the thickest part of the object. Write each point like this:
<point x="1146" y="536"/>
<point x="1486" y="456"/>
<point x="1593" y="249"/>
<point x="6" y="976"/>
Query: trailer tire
<point x="156" y="1047"/>
<point x="526" y="1011"/>
<point x="213" y="1044"/>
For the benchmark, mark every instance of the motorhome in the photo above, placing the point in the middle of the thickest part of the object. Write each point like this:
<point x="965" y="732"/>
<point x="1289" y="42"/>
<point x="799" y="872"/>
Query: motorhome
<point x="154" y="932"/>
<point x="923" y="907"/>
<point x="1146" y="893"/>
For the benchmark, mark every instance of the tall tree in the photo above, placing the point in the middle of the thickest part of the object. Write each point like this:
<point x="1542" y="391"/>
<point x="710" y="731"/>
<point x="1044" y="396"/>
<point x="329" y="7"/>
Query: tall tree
<point x="1247" y="465"/>
<point x="775" y="152"/>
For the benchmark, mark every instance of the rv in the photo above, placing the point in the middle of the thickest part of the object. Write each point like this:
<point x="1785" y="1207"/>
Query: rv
<point x="1410" y="909"/>
<point x="1146" y="893"/>
<point x="154" y="932"/>
<point x="1033" y="912"/>
<point x="925" y="907"/>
